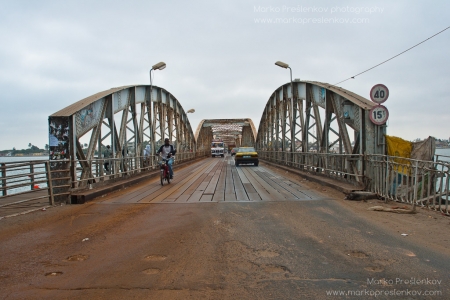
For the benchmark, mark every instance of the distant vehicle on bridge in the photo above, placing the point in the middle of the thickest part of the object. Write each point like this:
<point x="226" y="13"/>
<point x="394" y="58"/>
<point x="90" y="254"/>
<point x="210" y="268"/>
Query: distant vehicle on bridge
<point x="217" y="148"/>
<point x="246" y="155"/>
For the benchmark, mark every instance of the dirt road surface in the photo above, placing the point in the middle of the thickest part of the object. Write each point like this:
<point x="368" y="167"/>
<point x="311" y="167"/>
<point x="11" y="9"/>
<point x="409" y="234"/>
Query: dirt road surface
<point x="317" y="249"/>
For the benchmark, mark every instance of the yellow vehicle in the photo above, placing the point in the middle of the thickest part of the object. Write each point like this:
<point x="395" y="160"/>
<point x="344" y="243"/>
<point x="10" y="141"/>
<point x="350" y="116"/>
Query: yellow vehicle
<point x="246" y="155"/>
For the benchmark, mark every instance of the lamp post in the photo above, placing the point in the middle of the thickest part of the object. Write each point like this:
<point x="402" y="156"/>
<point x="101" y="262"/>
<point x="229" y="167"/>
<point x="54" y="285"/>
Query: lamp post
<point x="292" y="119"/>
<point x="159" y="66"/>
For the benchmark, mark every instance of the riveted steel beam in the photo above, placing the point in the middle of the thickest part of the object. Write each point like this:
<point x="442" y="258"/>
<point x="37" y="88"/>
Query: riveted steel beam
<point x="309" y="116"/>
<point x="127" y="119"/>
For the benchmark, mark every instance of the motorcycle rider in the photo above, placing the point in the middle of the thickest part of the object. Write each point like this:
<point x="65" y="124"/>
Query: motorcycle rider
<point x="164" y="151"/>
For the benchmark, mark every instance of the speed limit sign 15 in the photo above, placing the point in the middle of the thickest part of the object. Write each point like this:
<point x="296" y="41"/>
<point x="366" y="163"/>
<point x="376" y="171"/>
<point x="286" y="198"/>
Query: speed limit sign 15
<point x="379" y="93"/>
<point x="379" y="114"/>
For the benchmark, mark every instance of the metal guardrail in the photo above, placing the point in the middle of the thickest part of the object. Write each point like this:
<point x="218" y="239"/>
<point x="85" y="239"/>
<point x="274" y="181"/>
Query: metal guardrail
<point x="423" y="183"/>
<point x="22" y="178"/>
<point x="124" y="167"/>
<point x="332" y="165"/>
<point x="24" y="182"/>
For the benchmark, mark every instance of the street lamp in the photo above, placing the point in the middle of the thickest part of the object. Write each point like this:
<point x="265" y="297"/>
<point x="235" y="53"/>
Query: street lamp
<point x="292" y="120"/>
<point x="284" y="65"/>
<point x="159" y="66"/>
<point x="191" y="111"/>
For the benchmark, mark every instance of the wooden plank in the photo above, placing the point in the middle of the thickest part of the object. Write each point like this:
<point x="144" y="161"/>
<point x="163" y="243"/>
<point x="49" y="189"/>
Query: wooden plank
<point x="176" y="188"/>
<point x="263" y="194"/>
<point x="202" y="186"/>
<point x="168" y="200"/>
<point x="236" y="180"/>
<point x="241" y="195"/>
<point x="249" y="188"/>
<point x="298" y="191"/>
<point x="219" y="196"/>
<point x="276" y="195"/>
<point x="194" y="185"/>
<point x="253" y="196"/>
<point x="241" y="174"/>
<point x="229" y="197"/>
<point x="153" y="190"/>
<point x="195" y="197"/>
<point x="229" y="185"/>
<point x="219" y="193"/>
<point x="279" y="188"/>
<point x="212" y="185"/>
<point x="185" y="185"/>
<point x="206" y="198"/>
<point x="183" y="198"/>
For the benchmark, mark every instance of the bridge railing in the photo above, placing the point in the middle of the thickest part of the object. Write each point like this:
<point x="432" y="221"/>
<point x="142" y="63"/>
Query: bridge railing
<point x="20" y="180"/>
<point x="423" y="183"/>
<point x="332" y="165"/>
<point x="419" y="182"/>
<point x="123" y="167"/>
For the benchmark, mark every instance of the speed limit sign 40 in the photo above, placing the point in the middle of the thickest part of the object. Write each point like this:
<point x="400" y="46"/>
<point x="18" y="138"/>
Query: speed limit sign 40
<point x="379" y="114"/>
<point x="379" y="93"/>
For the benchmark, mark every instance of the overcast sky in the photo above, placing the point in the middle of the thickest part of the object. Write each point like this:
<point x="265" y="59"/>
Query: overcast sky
<point x="220" y="56"/>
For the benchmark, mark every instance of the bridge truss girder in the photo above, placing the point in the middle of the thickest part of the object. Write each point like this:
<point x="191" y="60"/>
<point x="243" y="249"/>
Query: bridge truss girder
<point x="126" y="118"/>
<point x="241" y="132"/>
<point x="305" y="116"/>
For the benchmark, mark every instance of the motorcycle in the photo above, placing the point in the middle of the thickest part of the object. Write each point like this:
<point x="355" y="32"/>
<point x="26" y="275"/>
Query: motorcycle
<point x="164" y="169"/>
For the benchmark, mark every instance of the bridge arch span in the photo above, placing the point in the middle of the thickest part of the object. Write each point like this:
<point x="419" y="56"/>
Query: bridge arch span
<point x="310" y="116"/>
<point x="127" y="118"/>
<point x="239" y="132"/>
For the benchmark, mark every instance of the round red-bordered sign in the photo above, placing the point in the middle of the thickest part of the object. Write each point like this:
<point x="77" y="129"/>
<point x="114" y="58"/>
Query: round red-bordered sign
<point x="379" y="93"/>
<point x="379" y="115"/>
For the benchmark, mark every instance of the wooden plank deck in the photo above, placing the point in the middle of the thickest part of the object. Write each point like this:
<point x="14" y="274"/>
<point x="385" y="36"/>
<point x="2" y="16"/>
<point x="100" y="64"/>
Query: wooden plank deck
<point x="218" y="180"/>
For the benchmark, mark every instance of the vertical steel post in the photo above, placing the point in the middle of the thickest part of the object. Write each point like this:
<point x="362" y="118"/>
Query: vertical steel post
<point x="50" y="183"/>
<point x="3" y="176"/>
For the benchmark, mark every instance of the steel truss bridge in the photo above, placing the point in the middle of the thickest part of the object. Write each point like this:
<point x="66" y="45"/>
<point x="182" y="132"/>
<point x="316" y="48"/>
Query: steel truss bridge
<point x="307" y="125"/>
<point x="299" y="117"/>
<point x="239" y="132"/>
<point x="128" y="119"/>
<point x="315" y="117"/>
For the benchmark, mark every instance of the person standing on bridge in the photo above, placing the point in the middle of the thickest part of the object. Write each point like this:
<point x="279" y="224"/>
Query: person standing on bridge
<point x="147" y="153"/>
<point x="107" y="154"/>
<point x="164" y="150"/>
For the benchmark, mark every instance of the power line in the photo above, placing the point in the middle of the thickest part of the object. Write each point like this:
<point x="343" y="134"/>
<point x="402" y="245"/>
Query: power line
<point x="353" y="77"/>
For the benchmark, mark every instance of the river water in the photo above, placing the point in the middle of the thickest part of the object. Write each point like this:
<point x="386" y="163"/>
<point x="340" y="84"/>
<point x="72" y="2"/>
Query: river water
<point x="25" y="170"/>
<point x="445" y="152"/>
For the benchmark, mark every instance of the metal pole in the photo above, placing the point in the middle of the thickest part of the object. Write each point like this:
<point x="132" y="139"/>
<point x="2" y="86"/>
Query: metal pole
<point x="292" y="121"/>
<point x="151" y="85"/>
<point x="152" y="135"/>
